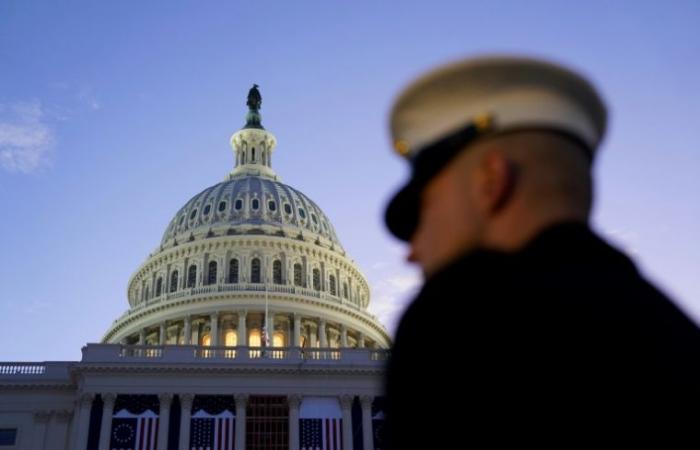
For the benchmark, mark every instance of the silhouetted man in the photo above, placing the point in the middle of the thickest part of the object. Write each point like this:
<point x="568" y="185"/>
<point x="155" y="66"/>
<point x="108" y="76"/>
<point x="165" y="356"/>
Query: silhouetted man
<point x="529" y="329"/>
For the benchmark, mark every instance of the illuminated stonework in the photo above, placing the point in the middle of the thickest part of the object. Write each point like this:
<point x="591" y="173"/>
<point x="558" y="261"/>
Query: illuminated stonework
<point x="245" y="259"/>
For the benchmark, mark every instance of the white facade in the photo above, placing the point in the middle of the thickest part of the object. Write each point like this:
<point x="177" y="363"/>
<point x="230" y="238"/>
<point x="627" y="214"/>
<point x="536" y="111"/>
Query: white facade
<point x="250" y="295"/>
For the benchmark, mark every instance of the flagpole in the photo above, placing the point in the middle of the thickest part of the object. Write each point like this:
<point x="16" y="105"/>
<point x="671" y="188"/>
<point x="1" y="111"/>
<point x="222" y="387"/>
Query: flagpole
<point x="267" y="337"/>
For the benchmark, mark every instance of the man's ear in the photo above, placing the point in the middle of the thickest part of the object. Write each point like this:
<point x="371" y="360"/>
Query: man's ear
<point x="497" y="178"/>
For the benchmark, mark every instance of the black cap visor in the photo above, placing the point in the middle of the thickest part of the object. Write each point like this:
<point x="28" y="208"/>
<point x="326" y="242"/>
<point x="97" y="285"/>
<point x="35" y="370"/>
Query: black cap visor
<point x="403" y="212"/>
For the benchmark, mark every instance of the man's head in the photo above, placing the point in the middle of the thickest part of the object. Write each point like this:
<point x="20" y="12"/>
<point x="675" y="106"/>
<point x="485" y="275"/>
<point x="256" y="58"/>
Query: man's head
<point x="500" y="148"/>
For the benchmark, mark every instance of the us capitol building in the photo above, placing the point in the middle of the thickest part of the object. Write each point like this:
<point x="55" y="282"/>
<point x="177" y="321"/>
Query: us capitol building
<point x="247" y="328"/>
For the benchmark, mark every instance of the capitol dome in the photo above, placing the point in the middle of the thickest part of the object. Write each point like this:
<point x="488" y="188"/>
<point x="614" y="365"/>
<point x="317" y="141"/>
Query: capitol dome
<point x="249" y="262"/>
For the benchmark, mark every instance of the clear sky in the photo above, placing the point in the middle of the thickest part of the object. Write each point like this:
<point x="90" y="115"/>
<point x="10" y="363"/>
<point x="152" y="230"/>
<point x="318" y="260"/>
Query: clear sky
<point x="114" y="114"/>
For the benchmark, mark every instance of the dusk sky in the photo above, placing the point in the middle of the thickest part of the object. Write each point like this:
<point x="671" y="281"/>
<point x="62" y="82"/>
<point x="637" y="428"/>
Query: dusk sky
<point x="114" y="114"/>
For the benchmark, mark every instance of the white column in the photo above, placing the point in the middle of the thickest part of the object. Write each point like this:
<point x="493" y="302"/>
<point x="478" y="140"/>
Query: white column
<point x="361" y="341"/>
<point x="343" y="336"/>
<point x="164" y="420"/>
<point x="188" y="330"/>
<point x="57" y="435"/>
<point x="322" y="335"/>
<point x="161" y="334"/>
<point x="297" y="330"/>
<point x="214" y="327"/>
<point x="294" y="403"/>
<point x="185" y="416"/>
<point x="346" y="410"/>
<point x="106" y="426"/>
<point x="41" y="423"/>
<point x="242" y="332"/>
<point x="367" y="431"/>
<point x="83" y="424"/>
<point x="142" y="337"/>
<point x="241" y="403"/>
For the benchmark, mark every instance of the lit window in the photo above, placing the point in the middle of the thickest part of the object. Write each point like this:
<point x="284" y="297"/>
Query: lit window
<point x="287" y="208"/>
<point x="239" y="204"/>
<point x="206" y="340"/>
<point x="254" y="338"/>
<point x="255" y="204"/>
<point x="211" y="278"/>
<point x="207" y="209"/>
<point x="194" y="213"/>
<point x="222" y="206"/>
<point x="231" y="338"/>
<point x="278" y="339"/>
<point x="272" y="206"/>
<point x="255" y="270"/>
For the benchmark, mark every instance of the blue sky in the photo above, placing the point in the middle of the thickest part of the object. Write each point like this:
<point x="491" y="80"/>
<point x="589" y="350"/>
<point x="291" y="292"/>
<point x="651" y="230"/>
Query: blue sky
<point x="113" y="114"/>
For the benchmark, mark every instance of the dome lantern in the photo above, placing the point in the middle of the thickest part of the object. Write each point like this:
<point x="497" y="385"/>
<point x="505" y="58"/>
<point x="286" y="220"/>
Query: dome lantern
<point x="252" y="145"/>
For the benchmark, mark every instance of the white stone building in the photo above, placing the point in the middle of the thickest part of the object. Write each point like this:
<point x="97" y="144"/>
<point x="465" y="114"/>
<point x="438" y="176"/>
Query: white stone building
<point x="249" y="309"/>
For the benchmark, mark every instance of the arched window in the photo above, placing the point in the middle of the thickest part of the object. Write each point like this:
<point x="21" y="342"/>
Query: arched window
<point x="222" y="206"/>
<point x="159" y="286"/>
<point x="253" y="159"/>
<point x="211" y="277"/>
<point x="331" y="283"/>
<point x="173" y="281"/>
<point x="192" y="276"/>
<point x="238" y="205"/>
<point x="345" y="290"/>
<point x="277" y="272"/>
<point x="297" y="275"/>
<point x="317" y="279"/>
<point x="278" y="339"/>
<point x="230" y="338"/>
<point x="254" y="339"/>
<point x="255" y="204"/>
<point x="255" y="270"/>
<point x="233" y="271"/>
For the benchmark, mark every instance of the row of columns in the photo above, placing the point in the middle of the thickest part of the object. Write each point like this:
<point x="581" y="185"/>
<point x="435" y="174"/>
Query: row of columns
<point x="242" y="332"/>
<point x="347" y="289"/>
<point x="81" y="423"/>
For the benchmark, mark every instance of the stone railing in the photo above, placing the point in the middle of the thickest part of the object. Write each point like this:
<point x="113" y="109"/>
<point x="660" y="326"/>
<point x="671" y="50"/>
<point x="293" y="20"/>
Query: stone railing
<point x="58" y="371"/>
<point x="192" y="354"/>
<point x="247" y="287"/>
